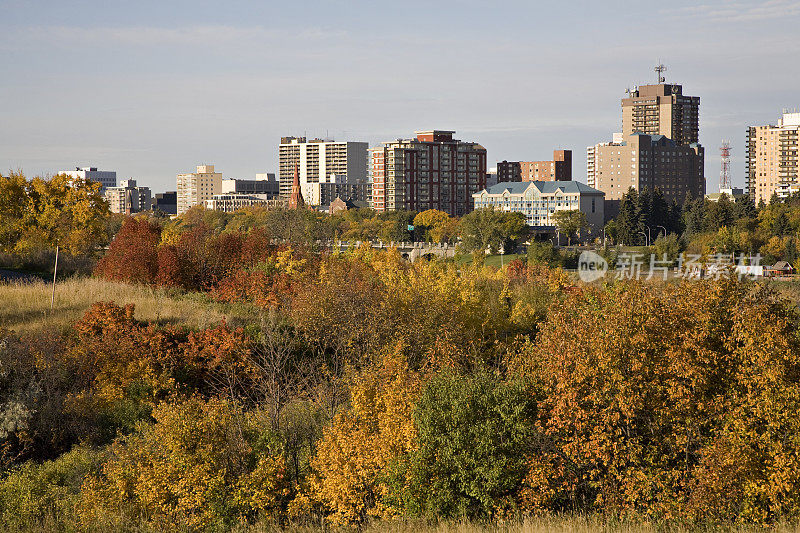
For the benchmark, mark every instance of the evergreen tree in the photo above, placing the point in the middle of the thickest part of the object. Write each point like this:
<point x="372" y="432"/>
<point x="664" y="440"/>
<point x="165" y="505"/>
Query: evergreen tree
<point x="781" y="226"/>
<point x="629" y="218"/>
<point x="743" y="207"/>
<point x="692" y="215"/>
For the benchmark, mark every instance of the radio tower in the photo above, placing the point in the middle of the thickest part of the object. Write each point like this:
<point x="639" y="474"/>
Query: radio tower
<point x="725" y="171"/>
<point x="660" y="71"/>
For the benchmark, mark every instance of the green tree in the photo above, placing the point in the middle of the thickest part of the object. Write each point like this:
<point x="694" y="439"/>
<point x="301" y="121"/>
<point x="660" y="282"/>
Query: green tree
<point x="629" y="220"/>
<point x="474" y="433"/>
<point x="570" y="222"/>
<point x="492" y="229"/>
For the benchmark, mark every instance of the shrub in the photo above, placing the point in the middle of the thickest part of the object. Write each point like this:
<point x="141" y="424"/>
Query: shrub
<point x="46" y="493"/>
<point x="474" y="433"/>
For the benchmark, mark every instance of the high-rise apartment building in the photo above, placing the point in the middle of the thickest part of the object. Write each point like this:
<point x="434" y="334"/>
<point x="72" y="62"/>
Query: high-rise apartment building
<point x="106" y="178"/>
<point x="647" y="161"/>
<point x="509" y="171"/>
<point x="661" y="109"/>
<point x="327" y="168"/>
<point x="128" y="198"/>
<point x="559" y="169"/>
<point x="196" y="187"/>
<point x="431" y="171"/>
<point x="657" y="148"/>
<point x="771" y="158"/>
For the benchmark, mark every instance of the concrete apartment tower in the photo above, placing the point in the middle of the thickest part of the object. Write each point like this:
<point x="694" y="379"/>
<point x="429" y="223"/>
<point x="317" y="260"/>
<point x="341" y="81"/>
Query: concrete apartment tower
<point x="431" y="171"/>
<point x="327" y="169"/>
<point x="196" y="187"/>
<point x="661" y="109"/>
<point x="771" y="158"/>
<point x="656" y="149"/>
<point x="128" y="198"/>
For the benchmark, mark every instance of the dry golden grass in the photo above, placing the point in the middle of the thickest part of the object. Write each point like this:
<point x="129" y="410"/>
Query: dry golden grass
<point x="25" y="306"/>
<point x="544" y="524"/>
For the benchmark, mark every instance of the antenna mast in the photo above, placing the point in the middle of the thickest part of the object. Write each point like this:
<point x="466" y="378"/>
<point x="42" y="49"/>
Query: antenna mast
<point x="725" y="171"/>
<point x="659" y="71"/>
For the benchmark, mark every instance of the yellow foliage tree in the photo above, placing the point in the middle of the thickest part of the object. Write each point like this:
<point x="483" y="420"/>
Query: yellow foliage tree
<point x="47" y="212"/>
<point x="201" y="464"/>
<point x="363" y="440"/>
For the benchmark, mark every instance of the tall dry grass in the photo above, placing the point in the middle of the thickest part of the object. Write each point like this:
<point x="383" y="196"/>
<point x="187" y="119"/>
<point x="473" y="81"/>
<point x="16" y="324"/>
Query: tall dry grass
<point x="25" y="306"/>
<point x="543" y="524"/>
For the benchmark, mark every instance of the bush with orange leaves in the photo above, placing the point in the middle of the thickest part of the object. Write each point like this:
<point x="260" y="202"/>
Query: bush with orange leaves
<point x="364" y="440"/>
<point x="132" y="255"/>
<point x="669" y="400"/>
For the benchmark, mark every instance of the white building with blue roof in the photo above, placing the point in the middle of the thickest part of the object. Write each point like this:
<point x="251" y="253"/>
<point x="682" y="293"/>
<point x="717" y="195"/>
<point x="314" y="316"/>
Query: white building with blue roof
<point x="539" y="200"/>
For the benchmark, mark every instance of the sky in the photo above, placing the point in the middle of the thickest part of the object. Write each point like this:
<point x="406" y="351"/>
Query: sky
<point x="153" y="88"/>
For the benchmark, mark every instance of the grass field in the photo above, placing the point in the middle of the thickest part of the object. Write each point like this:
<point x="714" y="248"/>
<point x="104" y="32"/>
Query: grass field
<point x="25" y="306"/>
<point x="544" y="524"/>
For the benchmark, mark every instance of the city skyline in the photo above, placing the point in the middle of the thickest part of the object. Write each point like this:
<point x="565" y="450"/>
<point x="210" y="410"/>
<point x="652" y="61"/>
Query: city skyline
<point x="152" y="90"/>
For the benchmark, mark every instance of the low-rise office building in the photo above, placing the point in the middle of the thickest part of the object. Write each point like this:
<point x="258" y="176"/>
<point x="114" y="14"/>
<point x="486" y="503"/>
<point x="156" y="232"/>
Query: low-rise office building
<point x="540" y="200"/>
<point x="264" y="184"/>
<point x="166" y="202"/>
<point x="229" y="203"/>
<point x="106" y="178"/>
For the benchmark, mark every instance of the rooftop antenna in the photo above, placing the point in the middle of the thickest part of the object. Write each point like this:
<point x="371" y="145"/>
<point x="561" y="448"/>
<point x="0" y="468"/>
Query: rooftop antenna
<point x="660" y="69"/>
<point x="725" y="171"/>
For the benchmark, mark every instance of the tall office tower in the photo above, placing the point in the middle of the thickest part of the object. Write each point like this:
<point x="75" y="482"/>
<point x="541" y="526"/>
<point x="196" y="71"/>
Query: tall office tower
<point x="657" y="147"/>
<point x="197" y="187"/>
<point x="559" y="169"/>
<point x="106" y="178"/>
<point x="431" y="171"/>
<point x="326" y="168"/>
<point x="661" y="110"/>
<point x="771" y="158"/>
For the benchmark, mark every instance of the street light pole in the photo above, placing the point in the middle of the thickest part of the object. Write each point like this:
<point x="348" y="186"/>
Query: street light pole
<point x="665" y="231"/>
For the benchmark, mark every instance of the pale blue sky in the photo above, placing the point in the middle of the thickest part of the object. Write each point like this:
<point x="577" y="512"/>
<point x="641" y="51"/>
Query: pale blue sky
<point x="152" y="88"/>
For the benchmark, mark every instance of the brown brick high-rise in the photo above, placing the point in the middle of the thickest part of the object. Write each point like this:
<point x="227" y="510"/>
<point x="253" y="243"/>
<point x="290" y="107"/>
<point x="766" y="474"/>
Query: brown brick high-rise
<point x="432" y="171"/>
<point x="559" y="169"/>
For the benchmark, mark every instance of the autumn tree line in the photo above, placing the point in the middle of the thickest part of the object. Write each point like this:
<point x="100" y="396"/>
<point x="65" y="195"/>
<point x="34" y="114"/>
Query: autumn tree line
<point x="366" y="388"/>
<point x="728" y="226"/>
<point x="37" y="215"/>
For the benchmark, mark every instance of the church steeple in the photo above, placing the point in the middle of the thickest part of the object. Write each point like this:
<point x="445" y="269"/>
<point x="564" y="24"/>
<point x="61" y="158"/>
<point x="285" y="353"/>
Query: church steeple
<point x="296" y="198"/>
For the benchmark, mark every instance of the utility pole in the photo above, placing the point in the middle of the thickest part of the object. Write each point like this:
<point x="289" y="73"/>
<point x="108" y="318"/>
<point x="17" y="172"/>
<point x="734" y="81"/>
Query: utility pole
<point x="55" y="273"/>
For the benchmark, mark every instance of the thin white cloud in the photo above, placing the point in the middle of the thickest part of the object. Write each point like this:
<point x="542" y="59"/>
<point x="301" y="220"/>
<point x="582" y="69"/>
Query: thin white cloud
<point x="732" y="11"/>
<point x="207" y="35"/>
